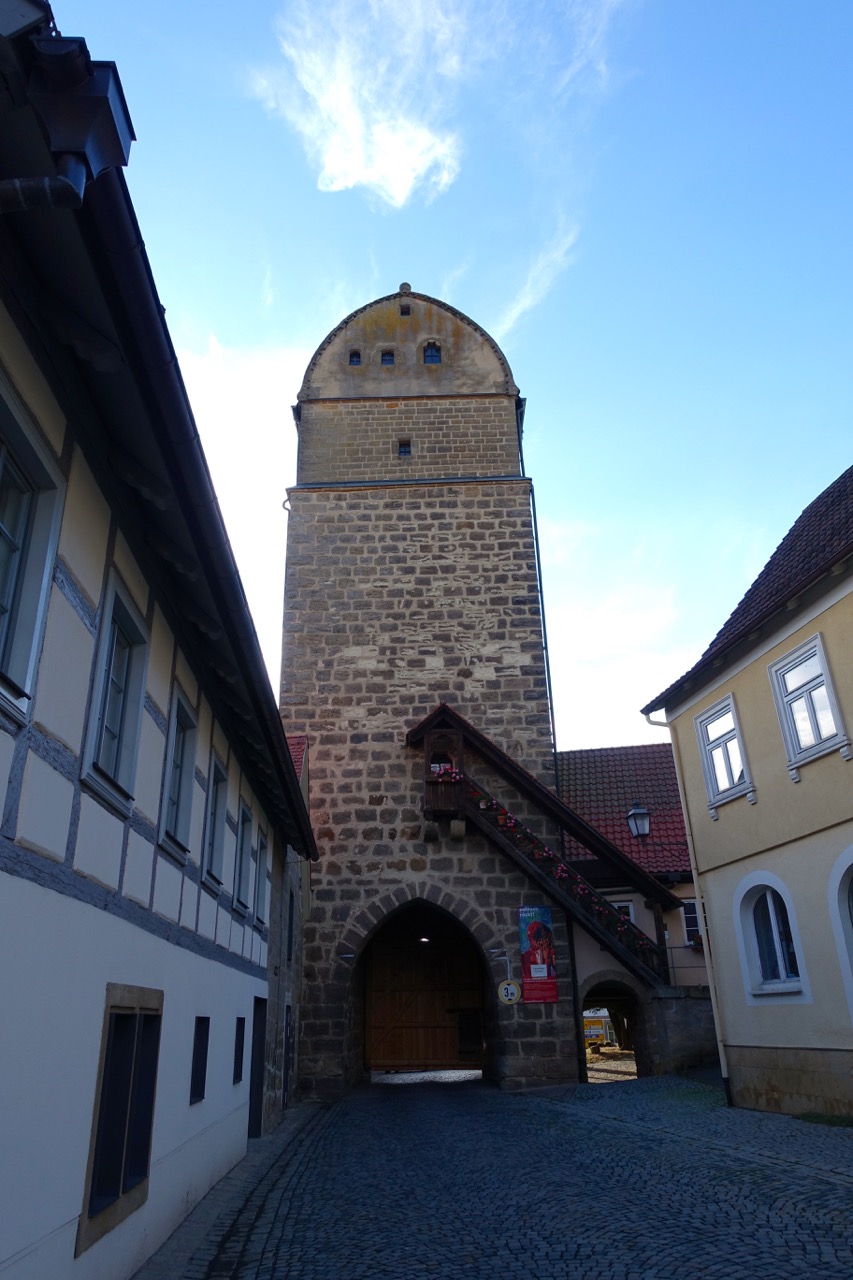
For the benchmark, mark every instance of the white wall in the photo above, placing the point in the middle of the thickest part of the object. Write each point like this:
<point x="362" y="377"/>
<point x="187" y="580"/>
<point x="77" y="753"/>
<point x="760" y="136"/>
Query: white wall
<point x="53" y="1009"/>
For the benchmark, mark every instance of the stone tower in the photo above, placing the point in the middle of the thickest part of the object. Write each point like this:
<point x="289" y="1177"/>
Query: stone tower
<point x="412" y="582"/>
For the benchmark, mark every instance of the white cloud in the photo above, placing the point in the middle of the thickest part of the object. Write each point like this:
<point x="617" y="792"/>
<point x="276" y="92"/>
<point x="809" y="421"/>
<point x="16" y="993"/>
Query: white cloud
<point x="542" y="273"/>
<point x="242" y="401"/>
<point x="364" y="85"/>
<point x="588" y="25"/>
<point x="612" y="649"/>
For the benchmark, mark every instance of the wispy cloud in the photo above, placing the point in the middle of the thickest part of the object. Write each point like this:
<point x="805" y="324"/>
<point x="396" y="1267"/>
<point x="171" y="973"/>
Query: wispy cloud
<point x="588" y="23"/>
<point x="364" y="84"/>
<point x="542" y="273"/>
<point x="267" y="290"/>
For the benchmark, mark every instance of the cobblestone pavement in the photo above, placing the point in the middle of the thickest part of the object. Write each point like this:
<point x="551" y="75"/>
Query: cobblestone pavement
<point x="645" y="1180"/>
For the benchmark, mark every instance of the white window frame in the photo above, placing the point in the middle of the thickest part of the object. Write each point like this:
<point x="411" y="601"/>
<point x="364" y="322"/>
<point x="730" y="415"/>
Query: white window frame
<point x="624" y="906"/>
<point x="261" y="894"/>
<point x="216" y="818"/>
<point x="31" y="456"/>
<point x="716" y="795"/>
<point x="838" y="741"/>
<point x="114" y="782"/>
<point x="175" y="831"/>
<point x="243" y="861"/>
<point x="759" y="990"/>
<point x="694" y="903"/>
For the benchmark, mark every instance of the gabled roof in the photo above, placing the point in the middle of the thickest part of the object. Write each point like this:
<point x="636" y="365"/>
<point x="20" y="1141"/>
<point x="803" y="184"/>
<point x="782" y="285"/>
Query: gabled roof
<point x="603" y="783"/>
<point x="816" y="545"/>
<point x="547" y="801"/>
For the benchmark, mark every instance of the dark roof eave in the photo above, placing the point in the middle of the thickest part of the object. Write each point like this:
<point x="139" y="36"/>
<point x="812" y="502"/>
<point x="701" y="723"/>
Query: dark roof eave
<point x="109" y="205"/>
<point x="717" y="659"/>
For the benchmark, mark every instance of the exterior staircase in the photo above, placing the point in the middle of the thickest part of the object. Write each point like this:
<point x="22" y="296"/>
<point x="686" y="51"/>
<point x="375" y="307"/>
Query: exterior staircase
<point x="455" y="793"/>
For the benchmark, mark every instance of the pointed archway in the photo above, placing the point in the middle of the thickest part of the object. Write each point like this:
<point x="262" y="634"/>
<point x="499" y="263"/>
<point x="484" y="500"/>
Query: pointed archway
<point x="424" y="994"/>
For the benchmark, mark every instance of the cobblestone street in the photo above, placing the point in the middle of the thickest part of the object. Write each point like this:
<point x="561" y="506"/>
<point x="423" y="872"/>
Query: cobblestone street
<point x="647" y="1179"/>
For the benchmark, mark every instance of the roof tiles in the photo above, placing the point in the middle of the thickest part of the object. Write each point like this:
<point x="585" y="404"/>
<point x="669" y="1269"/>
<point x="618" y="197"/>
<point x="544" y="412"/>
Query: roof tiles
<point x="603" y="783"/>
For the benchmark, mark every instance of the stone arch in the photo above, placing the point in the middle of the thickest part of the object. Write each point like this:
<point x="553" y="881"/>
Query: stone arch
<point x="624" y="987"/>
<point x="348" y="971"/>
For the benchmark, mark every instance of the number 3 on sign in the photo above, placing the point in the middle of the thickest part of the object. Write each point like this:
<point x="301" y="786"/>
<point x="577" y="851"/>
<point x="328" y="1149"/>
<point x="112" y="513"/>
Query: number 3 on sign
<point x="508" y="992"/>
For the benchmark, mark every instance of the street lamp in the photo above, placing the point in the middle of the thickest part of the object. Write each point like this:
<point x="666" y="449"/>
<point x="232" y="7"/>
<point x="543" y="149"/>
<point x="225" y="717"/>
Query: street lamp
<point x="638" y="820"/>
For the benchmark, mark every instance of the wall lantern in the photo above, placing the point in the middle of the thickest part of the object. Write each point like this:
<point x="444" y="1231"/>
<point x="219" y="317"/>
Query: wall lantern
<point x="638" y="820"/>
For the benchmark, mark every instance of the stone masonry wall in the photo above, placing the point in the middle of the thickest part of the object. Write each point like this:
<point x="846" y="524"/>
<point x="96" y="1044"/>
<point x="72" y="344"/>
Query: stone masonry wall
<point x="397" y="599"/>
<point x="349" y="440"/>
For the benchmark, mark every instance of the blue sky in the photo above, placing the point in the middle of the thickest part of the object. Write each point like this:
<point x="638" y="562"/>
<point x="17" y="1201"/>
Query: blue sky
<point x="648" y="204"/>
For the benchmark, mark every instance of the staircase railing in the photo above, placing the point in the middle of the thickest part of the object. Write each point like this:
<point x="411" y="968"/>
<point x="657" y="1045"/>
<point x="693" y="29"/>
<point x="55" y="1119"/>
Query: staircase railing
<point x="567" y="881"/>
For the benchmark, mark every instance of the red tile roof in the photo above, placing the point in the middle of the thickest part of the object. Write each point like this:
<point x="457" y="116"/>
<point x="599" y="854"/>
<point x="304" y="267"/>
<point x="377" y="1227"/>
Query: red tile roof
<point x="603" y="783"/>
<point x="298" y="746"/>
<point x="819" y="540"/>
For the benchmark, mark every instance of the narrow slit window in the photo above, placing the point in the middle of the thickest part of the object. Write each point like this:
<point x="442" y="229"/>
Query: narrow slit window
<point x="198" y="1074"/>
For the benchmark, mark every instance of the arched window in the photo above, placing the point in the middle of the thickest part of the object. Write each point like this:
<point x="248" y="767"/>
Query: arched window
<point x="355" y="357"/>
<point x="387" y="357"/>
<point x="768" y="941"/>
<point x="777" y="959"/>
<point x="432" y="353"/>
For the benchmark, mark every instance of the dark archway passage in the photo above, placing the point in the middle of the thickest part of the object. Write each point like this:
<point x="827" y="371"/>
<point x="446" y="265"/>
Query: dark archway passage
<point x="628" y="1016"/>
<point x="424" y="994"/>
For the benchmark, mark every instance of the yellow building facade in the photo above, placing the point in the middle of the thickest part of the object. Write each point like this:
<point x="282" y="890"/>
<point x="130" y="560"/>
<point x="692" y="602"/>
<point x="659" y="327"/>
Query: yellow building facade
<point x="761" y="732"/>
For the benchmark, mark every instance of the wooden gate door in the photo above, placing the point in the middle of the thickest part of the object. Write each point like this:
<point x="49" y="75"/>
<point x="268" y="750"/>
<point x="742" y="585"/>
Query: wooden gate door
<point x="424" y="997"/>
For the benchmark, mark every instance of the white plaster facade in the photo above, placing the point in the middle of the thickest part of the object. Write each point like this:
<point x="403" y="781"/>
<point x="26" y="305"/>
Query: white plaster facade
<point x="150" y="809"/>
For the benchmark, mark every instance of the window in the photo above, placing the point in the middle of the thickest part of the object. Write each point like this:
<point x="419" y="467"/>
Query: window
<point x="355" y="357"/>
<point x="768" y="941"/>
<point x="405" y="309"/>
<point x="31" y="492"/>
<point x="432" y="353"/>
<point x="118" y="694"/>
<point x="808" y="711"/>
<point x="776" y="959"/>
<point x="198" y="1074"/>
<point x="387" y="357"/>
<point x="180" y="774"/>
<point x="723" y="759"/>
<point x="625" y="909"/>
<point x="692" y="932"/>
<point x="404" y="448"/>
<point x="120" y="1153"/>
<point x="261" y="885"/>
<point x="244" y="859"/>
<point x="239" y="1044"/>
<point x="214" y="834"/>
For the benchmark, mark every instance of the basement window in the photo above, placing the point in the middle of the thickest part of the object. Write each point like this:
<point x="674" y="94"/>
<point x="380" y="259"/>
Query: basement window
<point x="387" y="357"/>
<point x="404" y="448"/>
